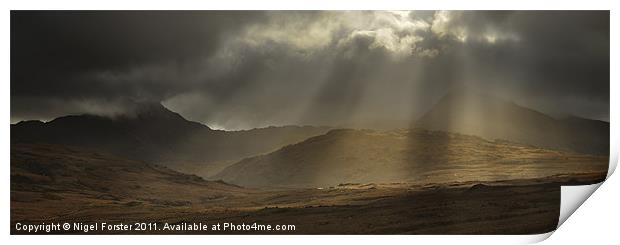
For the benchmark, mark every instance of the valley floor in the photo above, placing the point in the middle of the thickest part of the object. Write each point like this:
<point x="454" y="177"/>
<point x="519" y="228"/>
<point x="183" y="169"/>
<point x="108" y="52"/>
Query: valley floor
<point x="526" y="206"/>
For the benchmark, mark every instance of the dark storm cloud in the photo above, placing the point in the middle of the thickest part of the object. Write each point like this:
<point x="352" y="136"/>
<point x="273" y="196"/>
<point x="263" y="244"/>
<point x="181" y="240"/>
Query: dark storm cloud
<point x="249" y="69"/>
<point x="561" y="58"/>
<point x="66" y="55"/>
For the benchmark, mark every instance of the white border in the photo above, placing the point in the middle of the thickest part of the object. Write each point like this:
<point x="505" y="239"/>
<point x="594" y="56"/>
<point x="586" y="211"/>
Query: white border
<point x="316" y="4"/>
<point x="577" y="229"/>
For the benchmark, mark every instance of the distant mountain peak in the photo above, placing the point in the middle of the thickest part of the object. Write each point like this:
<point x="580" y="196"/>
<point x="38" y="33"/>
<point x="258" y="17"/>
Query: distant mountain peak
<point x="483" y="114"/>
<point x="152" y="110"/>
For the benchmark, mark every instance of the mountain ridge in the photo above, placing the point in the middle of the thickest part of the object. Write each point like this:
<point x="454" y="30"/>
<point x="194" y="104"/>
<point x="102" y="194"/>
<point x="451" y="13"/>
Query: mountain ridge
<point x="491" y="117"/>
<point x="344" y="156"/>
<point x="156" y="134"/>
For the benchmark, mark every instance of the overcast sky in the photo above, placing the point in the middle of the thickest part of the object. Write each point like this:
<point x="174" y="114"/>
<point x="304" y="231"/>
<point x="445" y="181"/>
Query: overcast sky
<point x="238" y="70"/>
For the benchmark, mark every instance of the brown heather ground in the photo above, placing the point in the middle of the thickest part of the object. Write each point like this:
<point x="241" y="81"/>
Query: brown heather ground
<point x="58" y="184"/>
